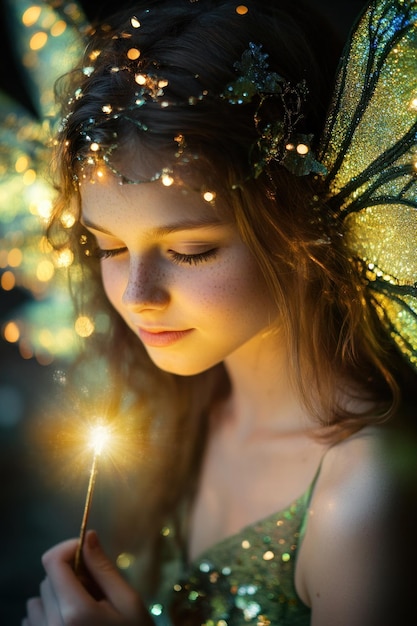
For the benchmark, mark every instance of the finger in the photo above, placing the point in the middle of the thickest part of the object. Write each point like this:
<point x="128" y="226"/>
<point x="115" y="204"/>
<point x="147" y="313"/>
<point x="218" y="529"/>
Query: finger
<point x="50" y="604"/>
<point x="117" y="591"/>
<point x="64" y="551"/>
<point x="35" y="612"/>
<point x="67" y="589"/>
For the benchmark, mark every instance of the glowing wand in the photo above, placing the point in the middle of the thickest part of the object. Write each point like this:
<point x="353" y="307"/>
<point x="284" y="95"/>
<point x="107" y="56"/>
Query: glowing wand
<point x="99" y="437"/>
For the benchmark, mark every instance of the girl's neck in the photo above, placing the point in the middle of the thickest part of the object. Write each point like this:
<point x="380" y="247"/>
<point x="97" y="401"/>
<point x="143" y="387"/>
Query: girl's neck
<point x="263" y="397"/>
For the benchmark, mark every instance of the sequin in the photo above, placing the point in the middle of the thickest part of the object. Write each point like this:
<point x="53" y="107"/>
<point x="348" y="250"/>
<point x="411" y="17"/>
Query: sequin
<point x="239" y="581"/>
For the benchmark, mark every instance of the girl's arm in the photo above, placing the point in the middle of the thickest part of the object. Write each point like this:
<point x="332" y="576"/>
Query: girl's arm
<point x="64" y="600"/>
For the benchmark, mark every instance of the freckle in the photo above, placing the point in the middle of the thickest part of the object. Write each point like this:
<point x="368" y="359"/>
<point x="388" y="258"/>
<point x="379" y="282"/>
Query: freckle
<point x="317" y="595"/>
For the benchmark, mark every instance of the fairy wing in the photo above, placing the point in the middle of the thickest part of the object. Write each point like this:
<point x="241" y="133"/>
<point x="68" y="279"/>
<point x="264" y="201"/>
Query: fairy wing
<point x="369" y="148"/>
<point x="47" y="42"/>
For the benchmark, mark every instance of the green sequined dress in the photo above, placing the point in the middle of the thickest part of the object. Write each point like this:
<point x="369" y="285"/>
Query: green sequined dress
<point x="246" y="579"/>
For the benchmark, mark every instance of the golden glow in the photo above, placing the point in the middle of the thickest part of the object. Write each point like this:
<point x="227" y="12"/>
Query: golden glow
<point x="58" y="28"/>
<point x="11" y="332"/>
<point x="167" y="180"/>
<point x="84" y="326"/>
<point x="64" y="258"/>
<point x="8" y="281"/>
<point x="31" y="16"/>
<point x="44" y="245"/>
<point x="302" y="149"/>
<point x="99" y="438"/>
<point x="29" y="177"/>
<point x="14" y="258"/>
<point x="94" y="146"/>
<point x="21" y="164"/>
<point x="140" y="79"/>
<point x="38" y="41"/>
<point x="209" y="196"/>
<point x="67" y="219"/>
<point x="45" y="271"/>
<point x="242" y="9"/>
<point x="42" y="208"/>
<point x="94" y="55"/>
<point x="133" y="54"/>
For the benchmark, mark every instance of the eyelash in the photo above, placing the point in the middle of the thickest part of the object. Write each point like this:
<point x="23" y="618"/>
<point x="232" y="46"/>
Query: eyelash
<point x="108" y="254"/>
<point x="193" y="259"/>
<point x="177" y="257"/>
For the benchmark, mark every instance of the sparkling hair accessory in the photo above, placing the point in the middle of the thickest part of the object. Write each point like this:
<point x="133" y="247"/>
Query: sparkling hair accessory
<point x="277" y="140"/>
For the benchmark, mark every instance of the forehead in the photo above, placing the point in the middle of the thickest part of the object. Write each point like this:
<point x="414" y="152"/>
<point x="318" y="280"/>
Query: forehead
<point x="107" y="202"/>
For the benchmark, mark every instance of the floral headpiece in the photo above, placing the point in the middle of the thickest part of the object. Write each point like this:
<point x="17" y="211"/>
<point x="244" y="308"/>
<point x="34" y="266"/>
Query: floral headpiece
<point x="278" y="142"/>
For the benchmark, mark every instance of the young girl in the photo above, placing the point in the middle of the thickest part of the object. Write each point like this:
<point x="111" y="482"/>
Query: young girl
<point x="244" y="272"/>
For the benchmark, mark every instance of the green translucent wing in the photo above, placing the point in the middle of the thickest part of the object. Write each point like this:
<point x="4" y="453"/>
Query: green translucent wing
<point x="369" y="148"/>
<point x="48" y="42"/>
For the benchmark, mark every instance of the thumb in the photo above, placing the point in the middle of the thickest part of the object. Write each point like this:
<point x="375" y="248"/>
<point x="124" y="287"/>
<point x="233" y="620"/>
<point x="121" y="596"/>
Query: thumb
<point x="115" y="589"/>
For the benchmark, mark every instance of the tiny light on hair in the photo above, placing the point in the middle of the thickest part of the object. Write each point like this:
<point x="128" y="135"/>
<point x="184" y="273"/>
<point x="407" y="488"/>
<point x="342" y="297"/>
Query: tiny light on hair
<point x="302" y="148"/>
<point x="242" y="9"/>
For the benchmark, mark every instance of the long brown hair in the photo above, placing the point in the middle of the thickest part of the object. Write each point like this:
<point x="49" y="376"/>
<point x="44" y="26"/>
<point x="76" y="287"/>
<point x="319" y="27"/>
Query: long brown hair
<point x="332" y="331"/>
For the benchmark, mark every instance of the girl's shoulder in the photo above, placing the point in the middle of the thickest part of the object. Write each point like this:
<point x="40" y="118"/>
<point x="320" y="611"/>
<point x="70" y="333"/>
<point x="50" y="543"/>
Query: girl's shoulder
<point x="356" y="526"/>
<point x="363" y="476"/>
<point x="356" y="483"/>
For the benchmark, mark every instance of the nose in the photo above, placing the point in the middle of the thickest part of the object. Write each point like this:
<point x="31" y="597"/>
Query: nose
<point x="146" y="286"/>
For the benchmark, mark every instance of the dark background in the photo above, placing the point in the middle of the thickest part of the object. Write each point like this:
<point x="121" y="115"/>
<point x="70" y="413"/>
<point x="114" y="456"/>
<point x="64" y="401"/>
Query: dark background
<point x="36" y="512"/>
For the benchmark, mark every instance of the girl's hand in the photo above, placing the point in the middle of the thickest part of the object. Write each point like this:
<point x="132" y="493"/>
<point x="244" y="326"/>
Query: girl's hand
<point x="65" y="601"/>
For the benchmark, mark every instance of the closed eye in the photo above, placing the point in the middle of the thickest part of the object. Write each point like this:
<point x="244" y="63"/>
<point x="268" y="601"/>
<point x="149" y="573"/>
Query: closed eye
<point x="101" y="253"/>
<point x="193" y="259"/>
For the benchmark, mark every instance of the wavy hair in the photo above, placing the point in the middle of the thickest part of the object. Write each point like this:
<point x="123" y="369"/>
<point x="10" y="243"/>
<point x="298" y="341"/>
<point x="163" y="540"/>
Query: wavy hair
<point x="330" y="325"/>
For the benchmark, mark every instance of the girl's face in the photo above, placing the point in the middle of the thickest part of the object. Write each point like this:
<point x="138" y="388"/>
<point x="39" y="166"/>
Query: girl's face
<point x="177" y="273"/>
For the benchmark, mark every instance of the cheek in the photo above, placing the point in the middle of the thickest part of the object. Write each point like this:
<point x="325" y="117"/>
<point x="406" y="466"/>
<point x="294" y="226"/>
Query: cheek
<point x="236" y="289"/>
<point x="113" y="283"/>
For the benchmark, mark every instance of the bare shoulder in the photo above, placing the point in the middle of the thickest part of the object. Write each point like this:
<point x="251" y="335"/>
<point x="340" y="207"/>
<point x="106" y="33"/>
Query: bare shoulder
<point x="353" y="536"/>
<point x="358" y="475"/>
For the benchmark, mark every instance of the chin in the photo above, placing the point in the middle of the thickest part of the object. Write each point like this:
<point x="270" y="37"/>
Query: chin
<point x="182" y="368"/>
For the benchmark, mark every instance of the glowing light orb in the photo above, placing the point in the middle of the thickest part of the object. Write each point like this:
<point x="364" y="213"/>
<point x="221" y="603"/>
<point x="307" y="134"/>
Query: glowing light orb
<point x="167" y="180"/>
<point x="242" y="9"/>
<point x="38" y="41"/>
<point x="302" y="148"/>
<point x="209" y="196"/>
<point x="99" y="438"/>
<point x="133" y="54"/>
<point x="31" y="16"/>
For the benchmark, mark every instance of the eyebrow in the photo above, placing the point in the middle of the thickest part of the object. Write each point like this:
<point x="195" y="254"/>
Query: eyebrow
<point x="160" y="231"/>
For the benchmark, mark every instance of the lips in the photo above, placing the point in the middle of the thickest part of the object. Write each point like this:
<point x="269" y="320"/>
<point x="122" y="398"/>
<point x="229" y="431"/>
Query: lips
<point x="161" y="338"/>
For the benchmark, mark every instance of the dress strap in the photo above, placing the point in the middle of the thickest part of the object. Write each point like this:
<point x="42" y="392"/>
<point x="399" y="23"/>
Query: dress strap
<point x="307" y="500"/>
